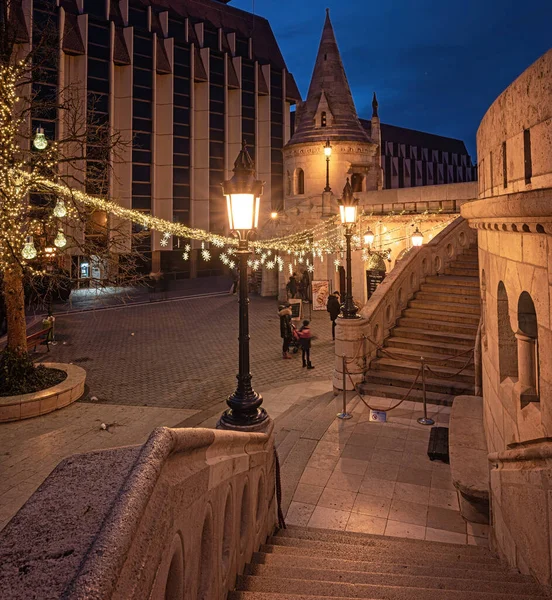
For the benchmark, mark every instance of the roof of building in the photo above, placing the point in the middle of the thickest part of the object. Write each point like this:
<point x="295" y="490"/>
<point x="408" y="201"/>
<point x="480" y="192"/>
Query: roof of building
<point x="330" y="87"/>
<point x="421" y="139"/>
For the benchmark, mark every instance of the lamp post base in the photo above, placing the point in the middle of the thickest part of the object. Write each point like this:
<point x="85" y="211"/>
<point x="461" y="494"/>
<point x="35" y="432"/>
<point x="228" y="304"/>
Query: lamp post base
<point x="261" y="423"/>
<point x="425" y="421"/>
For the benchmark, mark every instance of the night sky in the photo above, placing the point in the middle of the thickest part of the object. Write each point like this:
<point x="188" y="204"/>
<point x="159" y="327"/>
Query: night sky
<point x="436" y="65"/>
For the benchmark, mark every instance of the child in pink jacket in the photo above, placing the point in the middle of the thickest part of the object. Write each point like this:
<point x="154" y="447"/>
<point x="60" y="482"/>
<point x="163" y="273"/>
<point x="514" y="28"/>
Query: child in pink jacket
<point x="305" y="337"/>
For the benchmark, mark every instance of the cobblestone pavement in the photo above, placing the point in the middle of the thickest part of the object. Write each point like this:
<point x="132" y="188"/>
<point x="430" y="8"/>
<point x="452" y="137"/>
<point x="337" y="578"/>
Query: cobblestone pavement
<point x="182" y="353"/>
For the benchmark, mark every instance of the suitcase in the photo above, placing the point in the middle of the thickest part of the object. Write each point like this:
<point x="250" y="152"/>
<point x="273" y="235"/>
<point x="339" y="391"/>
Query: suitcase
<point x="437" y="448"/>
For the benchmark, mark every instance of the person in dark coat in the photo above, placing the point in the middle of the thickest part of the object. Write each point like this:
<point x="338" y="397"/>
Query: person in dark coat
<point x="291" y="287"/>
<point x="285" y="328"/>
<point x="333" y="307"/>
<point x="305" y="337"/>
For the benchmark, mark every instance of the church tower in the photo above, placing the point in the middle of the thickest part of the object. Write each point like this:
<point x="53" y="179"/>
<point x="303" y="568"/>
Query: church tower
<point x="329" y="115"/>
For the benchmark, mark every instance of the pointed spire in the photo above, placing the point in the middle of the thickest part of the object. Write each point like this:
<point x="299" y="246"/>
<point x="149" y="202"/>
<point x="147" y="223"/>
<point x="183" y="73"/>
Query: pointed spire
<point x="375" y="106"/>
<point x="329" y="81"/>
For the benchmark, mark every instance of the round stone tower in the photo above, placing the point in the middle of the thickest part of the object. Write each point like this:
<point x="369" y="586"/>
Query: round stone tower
<point x="329" y="115"/>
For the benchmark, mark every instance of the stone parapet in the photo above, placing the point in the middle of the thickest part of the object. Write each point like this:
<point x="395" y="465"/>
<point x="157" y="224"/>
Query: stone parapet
<point x="358" y="340"/>
<point x="178" y="517"/>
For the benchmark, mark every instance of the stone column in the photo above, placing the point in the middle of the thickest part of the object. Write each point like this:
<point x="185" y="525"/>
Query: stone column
<point x="526" y="368"/>
<point x="349" y="341"/>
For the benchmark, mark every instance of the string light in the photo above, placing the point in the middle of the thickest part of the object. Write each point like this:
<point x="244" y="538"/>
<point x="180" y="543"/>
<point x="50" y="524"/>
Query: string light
<point x="60" y="210"/>
<point x="29" y="251"/>
<point x="61" y="240"/>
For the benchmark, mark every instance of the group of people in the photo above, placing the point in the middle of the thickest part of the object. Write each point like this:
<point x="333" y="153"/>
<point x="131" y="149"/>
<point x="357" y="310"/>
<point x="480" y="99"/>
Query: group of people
<point x="288" y="332"/>
<point x="299" y="287"/>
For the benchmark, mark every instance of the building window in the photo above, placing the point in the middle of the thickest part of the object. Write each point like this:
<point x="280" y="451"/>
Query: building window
<point x="356" y="182"/>
<point x="507" y="345"/>
<point x="299" y="182"/>
<point x="528" y="351"/>
<point x="504" y="166"/>
<point x="527" y="155"/>
<point x="323" y="119"/>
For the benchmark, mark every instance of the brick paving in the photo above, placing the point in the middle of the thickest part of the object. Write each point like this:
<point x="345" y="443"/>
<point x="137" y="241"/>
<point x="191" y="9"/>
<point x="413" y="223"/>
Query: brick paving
<point x="181" y="353"/>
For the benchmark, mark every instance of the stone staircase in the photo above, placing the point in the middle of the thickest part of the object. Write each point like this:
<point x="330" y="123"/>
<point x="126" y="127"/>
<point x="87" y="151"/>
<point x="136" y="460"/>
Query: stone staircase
<point x="440" y="321"/>
<point x="303" y="564"/>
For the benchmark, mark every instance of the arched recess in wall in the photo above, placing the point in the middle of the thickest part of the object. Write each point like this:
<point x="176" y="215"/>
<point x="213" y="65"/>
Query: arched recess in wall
<point x="528" y="349"/>
<point x="507" y="345"/>
<point x="289" y="187"/>
<point x="323" y="119"/>
<point x="299" y="180"/>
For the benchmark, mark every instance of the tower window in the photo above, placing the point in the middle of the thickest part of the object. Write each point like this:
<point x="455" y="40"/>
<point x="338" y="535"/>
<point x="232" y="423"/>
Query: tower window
<point x="323" y="120"/>
<point x="299" y="182"/>
<point x="527" y="155"/>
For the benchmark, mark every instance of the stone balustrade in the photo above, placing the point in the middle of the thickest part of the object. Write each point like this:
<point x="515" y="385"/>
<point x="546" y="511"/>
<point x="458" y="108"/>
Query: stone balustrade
<point x="521" y="501"/>
<point x="358" y="339"/>
<point x="176" y="518"/>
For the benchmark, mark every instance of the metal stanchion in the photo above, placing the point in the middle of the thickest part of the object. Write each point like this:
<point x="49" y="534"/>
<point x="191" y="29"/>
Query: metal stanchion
<point x="344" y="414"/>
<point x="425" y="420"/>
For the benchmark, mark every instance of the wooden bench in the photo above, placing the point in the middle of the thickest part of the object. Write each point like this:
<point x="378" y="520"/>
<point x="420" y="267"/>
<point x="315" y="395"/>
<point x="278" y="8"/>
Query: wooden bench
<point x="468" y="458"/>
<point x="38" y="338"/>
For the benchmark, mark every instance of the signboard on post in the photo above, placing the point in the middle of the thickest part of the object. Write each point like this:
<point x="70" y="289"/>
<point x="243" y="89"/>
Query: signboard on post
<point x="373" y="279"/>
<point x="320" y="293"/>
<point x="296" y="306"/>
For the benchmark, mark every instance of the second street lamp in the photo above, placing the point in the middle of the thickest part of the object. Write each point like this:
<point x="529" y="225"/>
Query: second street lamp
<point x="348" y="208"/>
<point x="328" y="153"/>
<point x="243" y="194"/>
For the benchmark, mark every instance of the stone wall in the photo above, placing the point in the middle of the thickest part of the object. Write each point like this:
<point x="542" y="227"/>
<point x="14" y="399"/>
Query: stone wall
<point x="502" y="139"/>
<point x="178" y="517"/>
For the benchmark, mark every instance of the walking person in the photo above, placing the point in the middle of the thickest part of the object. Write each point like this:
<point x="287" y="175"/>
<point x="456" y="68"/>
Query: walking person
<point x="305" y="338"/>
<point x="333" y="307"/>
<point x="291" y="286"/>
<point x="285" y="329"/>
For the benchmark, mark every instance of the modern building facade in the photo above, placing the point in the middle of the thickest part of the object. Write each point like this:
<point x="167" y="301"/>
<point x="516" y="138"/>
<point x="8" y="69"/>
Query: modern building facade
<point x="184" y="82"/>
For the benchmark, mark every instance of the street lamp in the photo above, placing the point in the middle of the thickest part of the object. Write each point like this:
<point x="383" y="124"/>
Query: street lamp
<point x="328" y="153"/>
<point x="348" y="207"/>
<point x="369" y="238"/>
<point x="417" y="238"/>
<point x="243" y="193"/>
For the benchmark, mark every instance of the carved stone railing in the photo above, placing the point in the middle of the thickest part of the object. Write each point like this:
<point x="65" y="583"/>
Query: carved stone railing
<point x="521" y="506"/>
<point x="175" y="518"/>
<point x="357" y="339"/>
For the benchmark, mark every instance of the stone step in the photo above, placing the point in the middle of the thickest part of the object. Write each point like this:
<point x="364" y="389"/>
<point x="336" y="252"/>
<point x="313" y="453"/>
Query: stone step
<point x="433" y="384"/>
<point x="444" y="288"/>
<point x="398" y="366"/>
<point x="454" y="307"/>
<point x="443" y="348"/>
<point x="414" y="356"/>
<point x="430" y="315"/>
<point x="463" y="271"/>
<point x="324" y="589"/>
<point x="451" y="280"/>
<point x="397" y="553"/>
<point x="433" y="336"/>
<point x="353" y="538"/>
<point x="434" y="296"/>
<point x="467" y="262"/>
<point x="375" y="566"/>
<point x="437" y="582"/>
<point x="398" y="393"/>
<point x="436" y="325"/>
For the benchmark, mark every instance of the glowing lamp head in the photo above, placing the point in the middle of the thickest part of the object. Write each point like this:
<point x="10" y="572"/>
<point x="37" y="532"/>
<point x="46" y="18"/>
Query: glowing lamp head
<point x="368" y="237"/>
<point x="49" y="252"/>
<point x="348" y="205"/>
<point x="60" y="210"/>
<point x="417" y="238"/>
<point x="40" y="142"/>
<point x="273" y="215"/>
<point x="243" y="195"/>
<point x="61" y="240"/>
<point x="29" y="251"/>
<point x="328" y="149"/>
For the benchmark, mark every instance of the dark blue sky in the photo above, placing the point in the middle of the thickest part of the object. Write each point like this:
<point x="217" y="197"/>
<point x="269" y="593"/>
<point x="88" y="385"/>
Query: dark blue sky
<point x="436" y="65"/>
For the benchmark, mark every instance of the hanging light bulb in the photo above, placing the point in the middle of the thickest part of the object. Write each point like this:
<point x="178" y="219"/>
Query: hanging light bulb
<point x="60" y="210"/>
<point x="417" y="238"/>
<point x="40" y="142"/>
<point x="61" y="240"/>
<point x="369" y="237"/>
<point x="29" y="250"/>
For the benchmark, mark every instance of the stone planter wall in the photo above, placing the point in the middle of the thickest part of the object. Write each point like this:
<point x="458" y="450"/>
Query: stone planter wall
<point x="25" y="406"/>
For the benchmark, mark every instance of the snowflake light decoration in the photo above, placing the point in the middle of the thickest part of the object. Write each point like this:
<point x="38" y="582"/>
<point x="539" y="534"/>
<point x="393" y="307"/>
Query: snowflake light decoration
<point x="256" y="265"/>
<point x="337" y="262"/>
<point x="231" y="264"/>
<point x="218" y="242"/>
<point x="249" y="263"/>
<point x="187" y="247"/>
<point x="310" y="268"/>
<point x="165" y="239"/>
<point x="290" y="269"/>
<point x="185" y="255"/>
<point x="270" y="264"/>
<point x="230" y="251"/>
<point x="206" y="255"/>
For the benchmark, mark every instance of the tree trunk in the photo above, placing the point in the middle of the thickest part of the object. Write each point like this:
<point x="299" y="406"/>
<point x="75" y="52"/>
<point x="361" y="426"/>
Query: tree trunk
<point x="14" y="298"/>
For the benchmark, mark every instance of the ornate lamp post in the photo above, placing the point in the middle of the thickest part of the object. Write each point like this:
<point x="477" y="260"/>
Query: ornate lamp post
<point x="417" y="238"/>
<point x="328" y="153"/>
<point x="348" y="208"/>
<point x="243" y="193"/>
